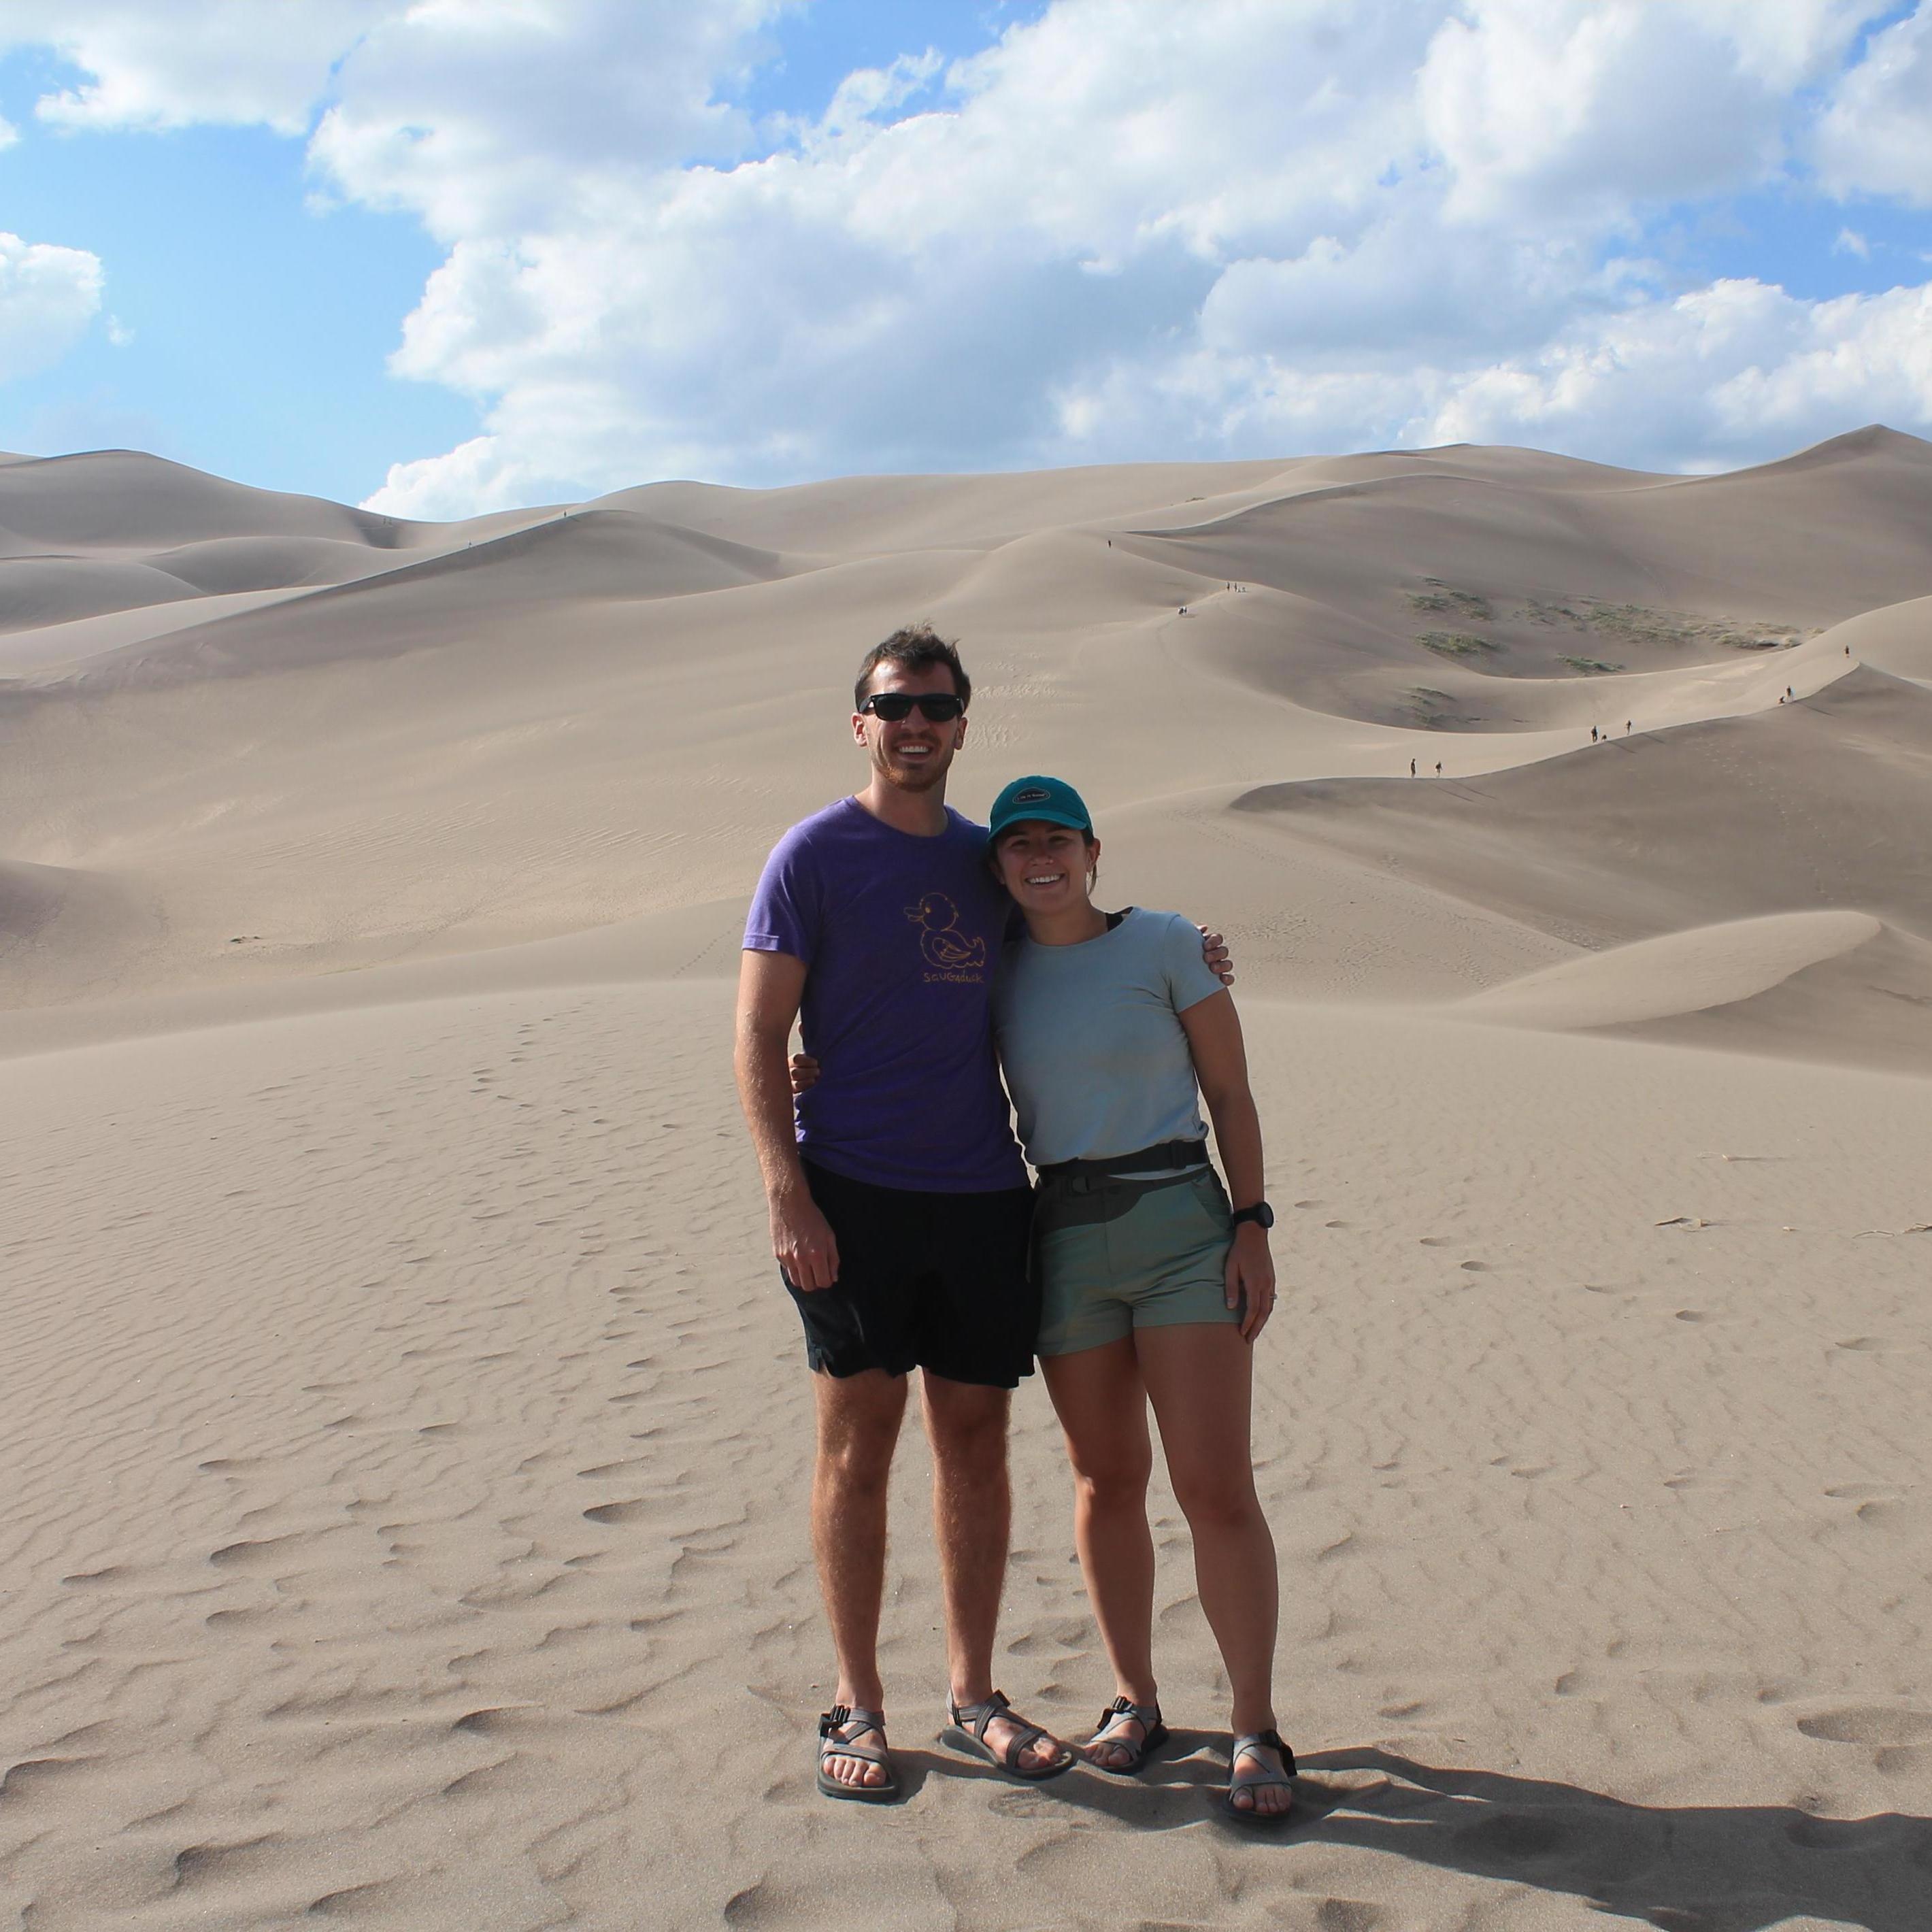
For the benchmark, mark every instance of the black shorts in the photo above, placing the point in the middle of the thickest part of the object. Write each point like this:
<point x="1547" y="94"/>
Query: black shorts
<point x="926" y="1281"/>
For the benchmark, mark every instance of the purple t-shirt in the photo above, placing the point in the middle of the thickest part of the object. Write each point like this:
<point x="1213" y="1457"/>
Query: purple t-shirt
<point x="900" y="936"/>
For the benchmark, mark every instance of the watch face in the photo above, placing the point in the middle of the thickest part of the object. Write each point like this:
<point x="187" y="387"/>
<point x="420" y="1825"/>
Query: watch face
<point x="1260" y="1213"/>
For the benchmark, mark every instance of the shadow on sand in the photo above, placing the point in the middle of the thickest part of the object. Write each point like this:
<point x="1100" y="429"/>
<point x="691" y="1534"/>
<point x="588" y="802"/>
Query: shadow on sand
<point x="1716" y="1868"/>
<point x="1719" y="1868"/>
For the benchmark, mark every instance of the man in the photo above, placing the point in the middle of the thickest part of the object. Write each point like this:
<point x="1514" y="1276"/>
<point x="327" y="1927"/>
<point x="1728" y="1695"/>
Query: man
<point x="899" y="1200"/>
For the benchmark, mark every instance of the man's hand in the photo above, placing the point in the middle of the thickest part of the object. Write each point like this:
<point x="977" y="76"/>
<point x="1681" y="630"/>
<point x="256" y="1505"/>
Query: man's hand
<point x="1214" y="953"/>
<point x="804" y="1070"/>
<point x="1250" y="1277"/>
<point x="802" y="1239"/>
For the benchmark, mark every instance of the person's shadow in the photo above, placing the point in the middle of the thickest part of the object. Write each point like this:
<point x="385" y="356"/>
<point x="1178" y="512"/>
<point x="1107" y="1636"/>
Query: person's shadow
<point x="1695" y="1868"/>
<point x="1715" y="1868"/>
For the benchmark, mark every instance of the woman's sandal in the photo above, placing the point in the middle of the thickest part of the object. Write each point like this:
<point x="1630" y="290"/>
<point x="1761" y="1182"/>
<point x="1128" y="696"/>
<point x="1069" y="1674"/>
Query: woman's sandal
<point x="1122" y="1711"/>
<point x="839" y="1730"/>
<point x="967" y="1732"/>
<point x="1246" y="1814"/>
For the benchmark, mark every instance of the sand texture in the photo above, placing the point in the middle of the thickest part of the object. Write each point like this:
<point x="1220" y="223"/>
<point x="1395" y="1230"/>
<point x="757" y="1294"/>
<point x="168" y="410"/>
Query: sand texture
<point x="407" y="1438"/>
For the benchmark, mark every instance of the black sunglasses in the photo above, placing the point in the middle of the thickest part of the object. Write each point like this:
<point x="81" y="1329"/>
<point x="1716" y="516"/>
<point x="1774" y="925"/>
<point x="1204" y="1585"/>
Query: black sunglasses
<point x="894" y="707"/>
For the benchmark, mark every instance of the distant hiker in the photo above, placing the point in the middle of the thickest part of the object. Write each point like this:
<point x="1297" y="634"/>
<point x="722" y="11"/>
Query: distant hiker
<point x="1438" y="768"/>
<point x="1593" y="734"/>
<point x="1627" y="727"/>
<point x="1411" y="768"/>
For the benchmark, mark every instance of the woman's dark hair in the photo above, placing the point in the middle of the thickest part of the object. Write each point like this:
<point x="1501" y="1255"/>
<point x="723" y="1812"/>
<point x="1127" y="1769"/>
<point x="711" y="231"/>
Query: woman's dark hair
<point x="914" y="647"/>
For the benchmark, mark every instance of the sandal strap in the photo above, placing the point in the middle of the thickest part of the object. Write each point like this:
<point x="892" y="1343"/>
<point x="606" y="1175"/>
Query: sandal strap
<point x="1147" y="1716"/>
<point x="840" y="1728"/>
<point x="864" y="1754"/>
<point x="998" y="1705"/>
<point x="1248" y="1742"/>
<point x="845" y="1718"/>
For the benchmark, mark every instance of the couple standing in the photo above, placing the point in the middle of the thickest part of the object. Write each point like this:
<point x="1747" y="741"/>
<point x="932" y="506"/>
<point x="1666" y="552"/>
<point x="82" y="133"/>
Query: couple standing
<point x="922" y="953"/>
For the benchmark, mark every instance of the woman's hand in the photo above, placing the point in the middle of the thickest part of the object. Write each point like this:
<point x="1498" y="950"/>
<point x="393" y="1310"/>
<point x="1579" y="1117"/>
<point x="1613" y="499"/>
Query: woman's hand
<point x="1216" y="956"/>
<point x="804" y="1071"/>
<point x="1250" y="1275"/>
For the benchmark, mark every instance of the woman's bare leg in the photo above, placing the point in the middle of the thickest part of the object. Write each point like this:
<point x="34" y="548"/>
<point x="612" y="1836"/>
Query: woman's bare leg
<point x="1102" y="1404"/>
<point x="1199" y="1376"/>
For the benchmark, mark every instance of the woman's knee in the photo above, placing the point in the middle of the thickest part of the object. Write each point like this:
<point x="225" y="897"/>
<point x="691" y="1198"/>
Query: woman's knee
<point x="1218" y="1499"/>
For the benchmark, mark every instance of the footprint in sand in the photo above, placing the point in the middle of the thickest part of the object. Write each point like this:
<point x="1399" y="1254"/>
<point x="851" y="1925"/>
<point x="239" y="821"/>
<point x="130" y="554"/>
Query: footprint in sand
<point x="635" y="1510"/>
<point x="1871" y="1725"/>
<point x="1889" y="1513"/>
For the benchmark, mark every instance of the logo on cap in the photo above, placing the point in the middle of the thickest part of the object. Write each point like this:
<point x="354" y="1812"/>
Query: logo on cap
<point x="1031" y="795"/>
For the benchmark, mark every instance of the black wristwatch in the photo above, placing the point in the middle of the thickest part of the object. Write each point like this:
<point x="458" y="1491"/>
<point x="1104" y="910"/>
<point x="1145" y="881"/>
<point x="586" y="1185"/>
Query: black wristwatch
<point x="1260" y="1213"/>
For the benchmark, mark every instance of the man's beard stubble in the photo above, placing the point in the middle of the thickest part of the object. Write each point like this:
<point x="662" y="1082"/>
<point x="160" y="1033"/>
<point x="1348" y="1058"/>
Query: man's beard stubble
<point x="924" y="777"/>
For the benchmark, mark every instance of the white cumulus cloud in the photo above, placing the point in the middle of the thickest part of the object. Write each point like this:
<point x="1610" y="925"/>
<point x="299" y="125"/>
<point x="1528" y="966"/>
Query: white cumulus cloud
<point x="237" y="62"/>
<point x="48" y="296"/>
<point x="1129" y="228"/>
<point x="498" y="117"/>
<point x="1579" y="108"/>
<point x="1739" y="371"/>
<point x="1875" y="137"/>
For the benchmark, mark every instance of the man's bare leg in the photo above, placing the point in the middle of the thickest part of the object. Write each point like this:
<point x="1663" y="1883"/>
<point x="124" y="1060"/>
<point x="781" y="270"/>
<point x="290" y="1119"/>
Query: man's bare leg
<point x="858" y="1418"/>
<point x="972" y="1516"/>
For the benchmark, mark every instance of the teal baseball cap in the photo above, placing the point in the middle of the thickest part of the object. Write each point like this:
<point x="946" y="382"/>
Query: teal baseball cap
<point x="1053" y="799"/>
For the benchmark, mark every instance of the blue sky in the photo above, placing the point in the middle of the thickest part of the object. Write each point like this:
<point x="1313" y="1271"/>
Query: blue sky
<point x="353" y="260"/>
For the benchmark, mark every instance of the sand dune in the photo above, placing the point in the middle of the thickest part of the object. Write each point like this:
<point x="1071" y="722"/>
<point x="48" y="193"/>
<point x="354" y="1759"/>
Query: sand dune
<point x="1789" y="809"/>
<point x="1829" y="986"/>
<point x="220" y="566"/>
<point x="407" y="1440"/>
<point x="406" y="1518"/>
<point x="1896" y="638"/>
<point x="1682" y="972"/>
<point x="119" y="499"/>
<point x="37" y="590"/>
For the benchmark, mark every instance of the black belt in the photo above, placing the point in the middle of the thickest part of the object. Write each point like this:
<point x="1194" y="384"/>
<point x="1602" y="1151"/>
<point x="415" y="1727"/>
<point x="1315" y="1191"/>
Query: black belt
<point x="1146" y="1160"/>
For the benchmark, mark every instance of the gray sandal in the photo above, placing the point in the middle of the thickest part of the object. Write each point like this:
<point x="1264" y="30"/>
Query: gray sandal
<point x="1247" y="1745"/>
<point x="967" y="1732"/>
<point x="1153" y="1735"/>
<point x="839" y="1729"/>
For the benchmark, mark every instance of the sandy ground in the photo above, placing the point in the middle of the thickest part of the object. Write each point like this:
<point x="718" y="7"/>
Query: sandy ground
<point x="407" y="1436"/>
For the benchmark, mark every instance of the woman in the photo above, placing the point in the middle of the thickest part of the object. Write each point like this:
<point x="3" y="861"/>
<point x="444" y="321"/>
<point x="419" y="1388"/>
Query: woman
<point x="1153" y="1289"/>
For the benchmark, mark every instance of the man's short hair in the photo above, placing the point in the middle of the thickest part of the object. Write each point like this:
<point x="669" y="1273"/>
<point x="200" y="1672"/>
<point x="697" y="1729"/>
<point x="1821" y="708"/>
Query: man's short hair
<point x="914" y="648"/>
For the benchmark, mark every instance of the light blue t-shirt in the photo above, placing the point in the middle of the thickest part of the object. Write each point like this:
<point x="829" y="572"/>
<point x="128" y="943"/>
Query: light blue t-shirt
<point x="1090" y="1039"/>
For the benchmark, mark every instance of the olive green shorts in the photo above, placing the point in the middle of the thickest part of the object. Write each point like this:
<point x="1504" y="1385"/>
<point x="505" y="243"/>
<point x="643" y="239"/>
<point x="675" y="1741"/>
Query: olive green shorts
<point x="1112" y="1256"/>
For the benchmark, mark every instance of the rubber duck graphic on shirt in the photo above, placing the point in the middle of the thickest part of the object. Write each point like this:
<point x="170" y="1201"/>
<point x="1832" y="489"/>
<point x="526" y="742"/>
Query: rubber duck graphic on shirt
<point x="955" y="954"/>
